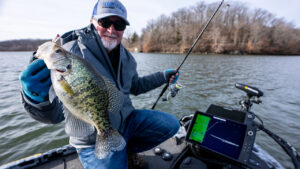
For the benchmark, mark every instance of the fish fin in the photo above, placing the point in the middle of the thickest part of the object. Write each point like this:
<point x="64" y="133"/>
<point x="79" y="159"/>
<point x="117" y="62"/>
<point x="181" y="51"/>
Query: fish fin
<point x="57" y="40"/>
<point x="65" y="85"/>
<point x="112" y="140"/>
<point x="52" y="94"/>
<point x="115" y="97"/>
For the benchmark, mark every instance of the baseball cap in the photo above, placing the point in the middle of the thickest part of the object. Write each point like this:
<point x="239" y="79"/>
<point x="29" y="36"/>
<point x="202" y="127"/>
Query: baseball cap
<point x="106" y="8"/>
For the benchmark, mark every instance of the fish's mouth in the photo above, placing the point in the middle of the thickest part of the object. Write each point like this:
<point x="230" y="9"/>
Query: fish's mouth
<point x="64" y="70"/>
<point x="60" y="71"/>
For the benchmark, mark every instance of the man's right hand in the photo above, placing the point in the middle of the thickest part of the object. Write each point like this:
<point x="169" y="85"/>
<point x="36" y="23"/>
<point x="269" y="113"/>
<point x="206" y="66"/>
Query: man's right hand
<point x="36" y="81"/>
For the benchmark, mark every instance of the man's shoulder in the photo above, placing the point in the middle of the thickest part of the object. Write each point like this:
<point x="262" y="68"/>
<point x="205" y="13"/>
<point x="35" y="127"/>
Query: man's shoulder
<point x="72" y="35"/>
<point x="69" y="39"/>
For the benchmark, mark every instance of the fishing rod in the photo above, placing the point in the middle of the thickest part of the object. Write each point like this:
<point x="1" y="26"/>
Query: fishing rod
<point x="188" y="53"/>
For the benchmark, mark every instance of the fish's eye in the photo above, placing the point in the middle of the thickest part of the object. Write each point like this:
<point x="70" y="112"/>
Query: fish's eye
<point x="58" y="51"/>
<point x="69" y="66"/>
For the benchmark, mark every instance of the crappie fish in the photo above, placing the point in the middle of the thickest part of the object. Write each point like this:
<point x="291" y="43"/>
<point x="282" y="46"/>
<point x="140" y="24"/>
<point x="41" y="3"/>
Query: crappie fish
<point x="86" y="94"/>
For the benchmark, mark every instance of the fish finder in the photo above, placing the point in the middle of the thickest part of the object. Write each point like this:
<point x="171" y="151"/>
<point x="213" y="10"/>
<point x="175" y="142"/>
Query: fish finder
<point x="229" y="138"/>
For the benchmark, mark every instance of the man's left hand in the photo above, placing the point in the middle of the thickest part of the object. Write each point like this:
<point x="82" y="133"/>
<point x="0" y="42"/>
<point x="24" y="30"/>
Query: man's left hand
<point x="171" y="75"/>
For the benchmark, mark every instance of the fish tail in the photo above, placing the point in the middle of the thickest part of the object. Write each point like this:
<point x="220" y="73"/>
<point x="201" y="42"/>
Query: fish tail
<point x="110" y="141"/>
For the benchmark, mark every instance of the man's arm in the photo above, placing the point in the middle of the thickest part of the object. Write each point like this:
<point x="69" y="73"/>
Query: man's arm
<point x="35" y="81"/>
<point x="45" y="112"/>
<point x="144" y="84"/>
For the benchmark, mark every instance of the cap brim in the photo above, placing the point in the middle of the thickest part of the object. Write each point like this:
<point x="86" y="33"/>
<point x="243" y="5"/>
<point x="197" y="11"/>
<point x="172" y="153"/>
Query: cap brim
<point x="110" y="14"/>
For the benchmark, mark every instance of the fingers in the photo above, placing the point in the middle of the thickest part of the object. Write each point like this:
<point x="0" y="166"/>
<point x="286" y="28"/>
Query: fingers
<point x="176" y="77"/>
<point x="32" y="69"/>
<point x="173" y="77"/>
<point x="48" y="82"/>
<point x="42" y="75"/>
<point x="36" y="66"/>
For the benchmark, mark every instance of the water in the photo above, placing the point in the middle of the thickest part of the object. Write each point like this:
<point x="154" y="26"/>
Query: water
<point x="207" y="80"/>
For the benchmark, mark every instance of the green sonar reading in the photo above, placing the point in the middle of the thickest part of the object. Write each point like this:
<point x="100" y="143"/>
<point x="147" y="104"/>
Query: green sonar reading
<point x="199" y="128"/>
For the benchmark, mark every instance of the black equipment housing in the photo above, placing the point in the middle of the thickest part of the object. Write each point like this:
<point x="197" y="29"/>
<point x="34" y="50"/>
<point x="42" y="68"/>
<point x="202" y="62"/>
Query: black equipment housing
<point x="231" y="133"/>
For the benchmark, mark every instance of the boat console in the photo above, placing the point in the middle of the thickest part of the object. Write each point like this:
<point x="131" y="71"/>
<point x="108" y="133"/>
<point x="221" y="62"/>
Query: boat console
<point x="220" y="138"/>
<point x="224" y="138"/>
<point x="226" y="132"/>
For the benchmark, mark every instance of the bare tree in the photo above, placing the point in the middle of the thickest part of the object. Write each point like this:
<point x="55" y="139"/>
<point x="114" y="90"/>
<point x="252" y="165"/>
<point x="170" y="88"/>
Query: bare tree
<point x="235" y="30"/>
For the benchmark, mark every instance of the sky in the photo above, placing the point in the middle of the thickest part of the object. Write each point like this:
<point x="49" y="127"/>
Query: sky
<point x="44" y="19"/>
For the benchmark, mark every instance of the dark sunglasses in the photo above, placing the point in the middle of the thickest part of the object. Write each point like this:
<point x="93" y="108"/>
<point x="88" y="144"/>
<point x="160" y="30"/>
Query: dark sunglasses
<point x="118" y="25"/>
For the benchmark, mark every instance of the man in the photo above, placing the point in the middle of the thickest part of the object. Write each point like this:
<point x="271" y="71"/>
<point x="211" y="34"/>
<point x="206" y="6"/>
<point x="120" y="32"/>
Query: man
<point x="100" y="44"/>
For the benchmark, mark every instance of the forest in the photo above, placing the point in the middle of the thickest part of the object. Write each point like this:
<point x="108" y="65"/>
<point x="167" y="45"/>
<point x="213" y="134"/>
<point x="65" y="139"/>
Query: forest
<point x="21" y="45"/>
<point x="235" y="30"/>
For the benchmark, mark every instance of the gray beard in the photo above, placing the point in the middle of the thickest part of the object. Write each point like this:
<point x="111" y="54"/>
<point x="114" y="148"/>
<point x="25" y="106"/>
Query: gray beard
<point x="109" y="44"/>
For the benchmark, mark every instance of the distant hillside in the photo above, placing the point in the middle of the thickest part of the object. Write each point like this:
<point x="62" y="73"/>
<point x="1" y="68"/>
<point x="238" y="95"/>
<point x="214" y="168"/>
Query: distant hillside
<point x="21" y="45"/>
<point x="235" y="30"/>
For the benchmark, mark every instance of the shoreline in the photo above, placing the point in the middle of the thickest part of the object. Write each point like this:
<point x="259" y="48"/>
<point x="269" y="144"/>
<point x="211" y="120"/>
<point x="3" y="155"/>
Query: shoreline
<point x="178" y="53"/>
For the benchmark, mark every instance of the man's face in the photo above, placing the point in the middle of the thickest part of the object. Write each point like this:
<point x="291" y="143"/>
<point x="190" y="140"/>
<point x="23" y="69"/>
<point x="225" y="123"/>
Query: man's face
<point x="110" y="36"/>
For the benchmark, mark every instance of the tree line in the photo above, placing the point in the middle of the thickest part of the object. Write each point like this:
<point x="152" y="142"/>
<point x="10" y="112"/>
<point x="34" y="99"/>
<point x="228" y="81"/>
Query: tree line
<point x="234" y="30"/>
<point x="21" y="45"/>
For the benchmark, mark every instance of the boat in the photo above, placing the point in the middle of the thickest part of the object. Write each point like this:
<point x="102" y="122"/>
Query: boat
<point x="221" y="138"/>
<point x="66" y="157"/>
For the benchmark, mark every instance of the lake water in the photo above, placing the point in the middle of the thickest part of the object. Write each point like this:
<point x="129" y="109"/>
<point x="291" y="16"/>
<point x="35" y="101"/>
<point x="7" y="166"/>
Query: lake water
<point x="206" y="79"/>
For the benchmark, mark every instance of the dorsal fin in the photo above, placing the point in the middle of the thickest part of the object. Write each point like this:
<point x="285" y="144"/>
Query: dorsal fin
<point x="57" y="40"/>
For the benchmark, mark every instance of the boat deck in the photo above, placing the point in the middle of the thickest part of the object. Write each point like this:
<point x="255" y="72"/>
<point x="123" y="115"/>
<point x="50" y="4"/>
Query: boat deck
<point x="67" y="162"/>
<point x="71" y="161"/>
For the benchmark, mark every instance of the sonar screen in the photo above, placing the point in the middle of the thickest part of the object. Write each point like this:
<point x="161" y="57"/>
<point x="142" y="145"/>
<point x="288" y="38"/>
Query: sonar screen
<point x="222" y="136"/>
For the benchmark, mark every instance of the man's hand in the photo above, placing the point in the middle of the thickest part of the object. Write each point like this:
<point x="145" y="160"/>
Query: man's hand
<point x="171" y="75"/>
<point x="35" y="81"/>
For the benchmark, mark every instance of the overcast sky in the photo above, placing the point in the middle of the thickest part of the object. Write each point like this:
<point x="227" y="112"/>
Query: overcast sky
<point x="20" y="19"/>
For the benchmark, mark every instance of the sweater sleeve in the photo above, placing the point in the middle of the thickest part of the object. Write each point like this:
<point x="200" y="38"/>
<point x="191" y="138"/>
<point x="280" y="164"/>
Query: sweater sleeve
<point x="146" y="83"/>
<point x="45" y="112"/>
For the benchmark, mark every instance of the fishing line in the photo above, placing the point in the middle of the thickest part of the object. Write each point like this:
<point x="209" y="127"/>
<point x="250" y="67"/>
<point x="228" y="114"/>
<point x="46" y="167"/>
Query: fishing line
<point x="188" y="53"/>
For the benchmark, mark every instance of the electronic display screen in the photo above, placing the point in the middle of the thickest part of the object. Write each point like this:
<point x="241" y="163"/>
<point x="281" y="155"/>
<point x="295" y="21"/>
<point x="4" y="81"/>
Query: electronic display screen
<point x="223" y="136"/>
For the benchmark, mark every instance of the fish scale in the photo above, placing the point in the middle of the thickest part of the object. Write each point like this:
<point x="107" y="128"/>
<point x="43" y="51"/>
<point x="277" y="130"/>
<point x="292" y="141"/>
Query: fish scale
<point x="88" y="93"/>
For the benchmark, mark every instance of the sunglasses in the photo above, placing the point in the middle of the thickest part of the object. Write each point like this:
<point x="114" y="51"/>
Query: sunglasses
<point x="118" y="25"/>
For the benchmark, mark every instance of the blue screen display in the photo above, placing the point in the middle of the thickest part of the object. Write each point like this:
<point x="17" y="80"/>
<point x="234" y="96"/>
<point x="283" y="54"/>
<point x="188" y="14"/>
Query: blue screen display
<point x="222" y="136"/>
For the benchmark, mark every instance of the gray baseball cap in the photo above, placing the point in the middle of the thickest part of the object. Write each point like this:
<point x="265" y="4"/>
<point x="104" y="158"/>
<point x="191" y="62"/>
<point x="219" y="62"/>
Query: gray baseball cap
<point x="106" y="8"/>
